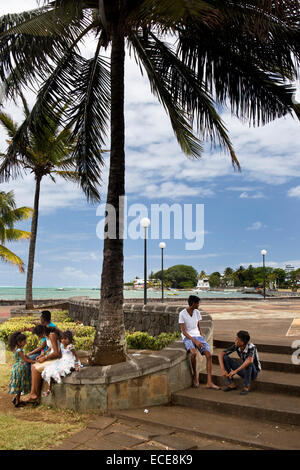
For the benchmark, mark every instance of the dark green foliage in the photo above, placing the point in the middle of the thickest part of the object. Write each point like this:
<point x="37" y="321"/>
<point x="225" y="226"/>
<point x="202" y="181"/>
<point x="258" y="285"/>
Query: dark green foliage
<point x="177" y="276"/>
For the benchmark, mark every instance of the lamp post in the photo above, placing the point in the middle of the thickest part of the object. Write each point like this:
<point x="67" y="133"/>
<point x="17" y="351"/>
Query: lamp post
<point x="264" y="252"/>
<point x="145" y="222"/>
<point x="162" y="245"/>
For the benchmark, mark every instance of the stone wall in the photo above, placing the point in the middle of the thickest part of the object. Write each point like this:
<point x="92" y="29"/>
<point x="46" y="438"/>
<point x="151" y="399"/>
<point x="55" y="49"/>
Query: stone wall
<point x="152" y="318"/>
<point x="147" y="378"/>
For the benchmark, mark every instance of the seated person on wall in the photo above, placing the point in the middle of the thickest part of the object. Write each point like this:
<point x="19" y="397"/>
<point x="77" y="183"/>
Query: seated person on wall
<point x="189" y="320"/>
<point x="42" y="349"/>
<point x="248" y="368"/>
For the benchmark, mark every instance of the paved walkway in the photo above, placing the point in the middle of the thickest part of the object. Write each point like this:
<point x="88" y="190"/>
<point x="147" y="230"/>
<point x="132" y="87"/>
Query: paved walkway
<point x="107" y="433"/>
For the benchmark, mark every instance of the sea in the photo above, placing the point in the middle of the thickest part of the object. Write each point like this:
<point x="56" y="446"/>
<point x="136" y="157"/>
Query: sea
<point x="18" y="293"/>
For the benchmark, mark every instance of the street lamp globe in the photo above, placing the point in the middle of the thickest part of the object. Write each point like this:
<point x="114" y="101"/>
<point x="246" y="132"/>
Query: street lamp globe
<point x="162" y="245"/>
<point x="263" y="252"/>
<point x="145" y="222"/>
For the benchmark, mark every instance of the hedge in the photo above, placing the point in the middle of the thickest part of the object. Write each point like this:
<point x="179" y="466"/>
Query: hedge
<point x="83" y="335"/>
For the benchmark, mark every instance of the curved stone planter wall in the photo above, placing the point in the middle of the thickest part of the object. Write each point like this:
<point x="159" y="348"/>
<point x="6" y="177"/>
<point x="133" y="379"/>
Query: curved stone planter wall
<point x="146" y="379"/>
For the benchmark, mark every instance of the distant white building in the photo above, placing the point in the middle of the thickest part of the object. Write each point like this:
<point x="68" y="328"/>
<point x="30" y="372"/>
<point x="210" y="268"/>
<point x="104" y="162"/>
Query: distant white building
<point x="203" y="284"/>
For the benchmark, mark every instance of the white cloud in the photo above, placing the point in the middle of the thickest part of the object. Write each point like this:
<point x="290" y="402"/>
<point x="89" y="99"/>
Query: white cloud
<point x="294" y="192"/>
<point x="258" y="195"/>
<point x="256" y="226"/>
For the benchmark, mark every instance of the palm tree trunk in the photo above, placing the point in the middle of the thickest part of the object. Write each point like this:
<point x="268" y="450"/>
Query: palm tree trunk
<point x="34" y="225"/>
<point x="110" y="342"/>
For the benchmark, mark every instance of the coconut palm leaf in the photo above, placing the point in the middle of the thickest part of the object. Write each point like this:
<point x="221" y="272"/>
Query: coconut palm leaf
<point x="241" y="70"/>
<point x="8" y="256"/>
<point x="91" y="121"/>
<point x="14" y="234"/>
<point x="187" y="92"/>
<point x="8" y="124"/>
<point x="189" y="143"/>
<point x="22" y="213"/>
<point x="24" y="58"/>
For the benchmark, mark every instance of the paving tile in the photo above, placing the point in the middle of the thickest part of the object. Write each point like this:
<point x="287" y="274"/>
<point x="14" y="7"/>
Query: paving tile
<point x="102" y="422"/>
<point x="176" y="442"/>
<point x="134" y="431"/>
<point x="101" y="443"/>
<point x="124" y="440"/>
<point x="84" y="436"/>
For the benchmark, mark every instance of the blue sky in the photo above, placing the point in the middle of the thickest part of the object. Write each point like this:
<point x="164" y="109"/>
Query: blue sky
<point x="244" y="212"/>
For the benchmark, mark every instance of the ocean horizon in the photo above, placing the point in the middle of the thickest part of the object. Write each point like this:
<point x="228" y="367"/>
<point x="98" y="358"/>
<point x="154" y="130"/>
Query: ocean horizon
<point x="39" y="293"/>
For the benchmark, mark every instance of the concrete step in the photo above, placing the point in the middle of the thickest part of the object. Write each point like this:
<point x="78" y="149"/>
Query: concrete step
<point x="268" y="346"/>
<point x="269" y="361"/>
<point x="267" y="381"/>
<point x="223" y="429"/>
<point x="256" y="405"/>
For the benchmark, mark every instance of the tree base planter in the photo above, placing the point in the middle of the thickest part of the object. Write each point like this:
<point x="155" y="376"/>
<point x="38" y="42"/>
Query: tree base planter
<point x="144" y="380"/>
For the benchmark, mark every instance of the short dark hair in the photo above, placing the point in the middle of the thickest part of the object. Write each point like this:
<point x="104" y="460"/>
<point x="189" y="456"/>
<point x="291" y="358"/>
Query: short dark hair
<point x="46" y="315"/>
<point x="243" y="336"/>
<point x="193" y="299"/>
<point x="67" y="334"/>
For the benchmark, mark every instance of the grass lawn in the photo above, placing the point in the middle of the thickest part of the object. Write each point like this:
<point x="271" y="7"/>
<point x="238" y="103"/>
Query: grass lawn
<point x="33" y="428"/>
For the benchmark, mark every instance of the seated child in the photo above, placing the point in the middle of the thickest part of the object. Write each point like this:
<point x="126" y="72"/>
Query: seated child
<point x="20" y="381"/>
<point x="64" y="366"/>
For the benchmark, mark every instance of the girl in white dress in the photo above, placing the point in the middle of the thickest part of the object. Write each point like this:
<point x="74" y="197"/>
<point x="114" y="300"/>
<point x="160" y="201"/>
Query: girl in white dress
<point x="64" y="366"/>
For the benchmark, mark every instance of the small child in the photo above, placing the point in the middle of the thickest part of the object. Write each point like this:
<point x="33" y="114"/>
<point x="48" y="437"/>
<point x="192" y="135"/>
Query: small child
<point x="20" y="381"/>
<point x="64" y="366"/>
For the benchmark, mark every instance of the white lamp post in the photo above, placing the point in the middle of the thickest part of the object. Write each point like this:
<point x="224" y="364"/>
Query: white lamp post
<point x="162" y="245"/>
<point x="145" y="222"/>
<point x="264" y="252"/>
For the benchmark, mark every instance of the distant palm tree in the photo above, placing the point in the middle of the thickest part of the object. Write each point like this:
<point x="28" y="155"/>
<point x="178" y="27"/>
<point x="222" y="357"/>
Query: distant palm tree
<point x="47" y="153"/>
<point x="9" y="216"/>
<point x="227" y="53"/>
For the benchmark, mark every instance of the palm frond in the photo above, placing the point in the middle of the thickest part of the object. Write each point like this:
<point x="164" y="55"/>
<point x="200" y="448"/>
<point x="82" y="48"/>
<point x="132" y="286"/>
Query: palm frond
<point x="91" y="121"/>
<point x="8" y="256"/>
<point x="56" y="89"/>
<point x="241" y="68"/>
<point x="189" y="143"/>
<point x="191" y="96"/>
<point x="22" y="213"/>
<point x="48" y="20"/>
<point x="26" y="59"/>
<point x="71" y="176"/>
<point x="8" y="124"/>
<point x="13" y="234"/>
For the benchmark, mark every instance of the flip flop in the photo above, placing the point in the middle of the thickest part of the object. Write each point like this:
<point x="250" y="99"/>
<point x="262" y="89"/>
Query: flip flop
<point x="213" y="388"/>
<point x="195" y="385"/>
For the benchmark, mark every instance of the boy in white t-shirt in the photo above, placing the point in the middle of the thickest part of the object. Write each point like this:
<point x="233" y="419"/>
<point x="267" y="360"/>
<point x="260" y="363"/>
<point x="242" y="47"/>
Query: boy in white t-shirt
<point x="189" y="320"/>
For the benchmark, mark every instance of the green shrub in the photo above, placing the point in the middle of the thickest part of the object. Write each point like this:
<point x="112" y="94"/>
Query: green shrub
<point x="83" y="335"/>
<point x="8" y="328"/>
<point x="61" y="316"/>
<point x="142" y="340"/>
<point x="83" y="343"/>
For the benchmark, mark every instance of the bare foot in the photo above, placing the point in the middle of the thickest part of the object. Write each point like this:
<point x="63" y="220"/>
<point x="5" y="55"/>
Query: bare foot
<point x="213" y="386"/>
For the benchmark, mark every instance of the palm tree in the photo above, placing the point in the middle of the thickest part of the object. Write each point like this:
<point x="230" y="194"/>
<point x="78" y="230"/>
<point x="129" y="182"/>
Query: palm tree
<point x="234" y="53"/>
<point x="47" y="153"/>
<point x="10" y="214"/>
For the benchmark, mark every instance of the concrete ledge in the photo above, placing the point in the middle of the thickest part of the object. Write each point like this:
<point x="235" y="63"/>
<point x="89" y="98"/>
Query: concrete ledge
<point x="144" y="380"/>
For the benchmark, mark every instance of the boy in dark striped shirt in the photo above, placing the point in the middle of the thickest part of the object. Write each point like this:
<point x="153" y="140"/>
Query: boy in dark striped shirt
<point x="248" y="368"/>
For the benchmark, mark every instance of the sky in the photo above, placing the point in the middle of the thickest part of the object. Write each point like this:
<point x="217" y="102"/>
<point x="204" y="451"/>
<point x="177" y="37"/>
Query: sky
<point x="244" y="212"/>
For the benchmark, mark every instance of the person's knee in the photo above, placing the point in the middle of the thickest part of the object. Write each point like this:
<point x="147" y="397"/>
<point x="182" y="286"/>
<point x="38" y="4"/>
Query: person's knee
<point x="208" y="354"/>
<point x="193" y="353"/>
